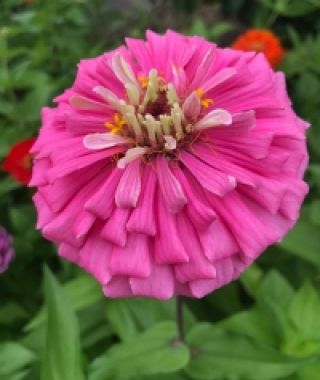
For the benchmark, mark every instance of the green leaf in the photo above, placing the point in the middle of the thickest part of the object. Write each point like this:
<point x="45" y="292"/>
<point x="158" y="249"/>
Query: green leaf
<point x="219" y="29"/>
<point x="10" y="312"/>
<point x="219" y="355"/>
<point x="276" y="288"/>
<point x="128" y="317"/>
<point x="273" y="297"/>
<point x="82" y="291"/>
<point x="304" y="312"/>
<point x="155" y="351"/>
<point x="61" y="359"/>
<point x="304" y="241"/>
<point x="199" y="28"/>
<point x="7" y="185"/>
<point x="251" y="279"/>
<point x="310" y="372"/>
<point x="121" y="319"/>
<point x="253" y="324"/>
<point x="22" y="217"/>
<point x="315" y="212"/>
<point x="292" y="8"/>
<point x="16" y="376"/>
<point x="171" y="376"/>
<point x="13" y="358"/>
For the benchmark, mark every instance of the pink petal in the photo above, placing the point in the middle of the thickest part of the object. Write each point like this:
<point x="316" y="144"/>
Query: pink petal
<point x="227" y="270"/>
<point x="203" y="69"/>
<point x="83" y="223"/>
<point x="170" y="187"/>
<point x="254" y="146"/>
<point x="68" y="252"/>
<point x="131" y="155"/>
<point x="95" y="256"/>
<point x="191" y="107"/>
<point x="269" y="193"/>
<point x="63" y="190"/>
<point x="252" y="239"/>
<point x="160" y="284"/>
<point x="209" y="178"/>
<point x="129" y="187"/>
<point x="79" y="124"/>
<point x="217" y="241"/>
<point x="168" y="248"/>
<point x="108" y="96"/>
<point x="242" y="175"/>
<point x="141" y="51"/>
<point x="171" y="142"/>
<point x="200" y="212"/>
<point x="219" y="78"/>
<point x="61" y="227"/>
<point x="213" y="119"/>
<point x="123" y="70"/>
<point x="132" y="260"/>
<point x="118" y="287"/>
<point x="78" y="163"/>
<point x="96" y="141"/>
<point x="179" y="80"/>
<point x="44" y="212"/>
<point x="198" y="266"/>
<point x="83" y="103"/>
<point x="291" y="202"/>
<point x="39" y="171"/>
<point x="142" y="218"/>
<point x="101" y="203"/>
<point x="115" y="229"/>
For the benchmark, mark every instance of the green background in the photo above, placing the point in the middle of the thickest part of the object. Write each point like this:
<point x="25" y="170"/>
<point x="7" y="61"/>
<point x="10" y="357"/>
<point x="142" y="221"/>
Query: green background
<point x="59" y="326"/>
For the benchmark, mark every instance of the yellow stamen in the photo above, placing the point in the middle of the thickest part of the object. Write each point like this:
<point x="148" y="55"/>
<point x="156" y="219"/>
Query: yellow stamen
<point x="117" y="125"/>
<point x="115" y="130"/>
<point x="205" y="102"/>
<point x="143" y="80"/>
<point x="200" y="92"/>
<point x="119" y="121"/>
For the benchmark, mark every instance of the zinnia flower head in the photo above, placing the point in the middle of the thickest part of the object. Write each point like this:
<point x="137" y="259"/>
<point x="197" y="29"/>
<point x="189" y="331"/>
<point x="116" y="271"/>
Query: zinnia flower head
<point x="263" y="41"/>
<point x="18" y="162"/>
<point x="6" y="250"/>
<point x="169" y="166"/>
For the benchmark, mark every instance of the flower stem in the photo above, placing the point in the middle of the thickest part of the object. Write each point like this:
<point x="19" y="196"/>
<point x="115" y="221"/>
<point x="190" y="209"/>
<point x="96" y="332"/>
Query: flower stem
<point x="180" y="318"/>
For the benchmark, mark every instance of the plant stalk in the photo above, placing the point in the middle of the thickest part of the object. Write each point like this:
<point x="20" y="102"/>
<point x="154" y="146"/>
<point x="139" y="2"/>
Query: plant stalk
<point x="180" y="318"/>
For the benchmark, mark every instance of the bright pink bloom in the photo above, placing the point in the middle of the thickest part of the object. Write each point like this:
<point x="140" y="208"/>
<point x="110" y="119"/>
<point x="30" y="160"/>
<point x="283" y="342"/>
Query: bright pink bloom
<point x="169" y="166"/>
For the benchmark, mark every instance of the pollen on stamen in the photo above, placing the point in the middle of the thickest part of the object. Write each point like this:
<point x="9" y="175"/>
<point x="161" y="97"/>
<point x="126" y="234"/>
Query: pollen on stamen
<point x="205" y="102"/>
<point x="143" y="80"/>
<point x="117" y="125"/>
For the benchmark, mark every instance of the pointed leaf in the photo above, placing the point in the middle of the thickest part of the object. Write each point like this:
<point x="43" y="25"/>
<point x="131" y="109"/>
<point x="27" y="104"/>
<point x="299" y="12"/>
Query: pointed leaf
<point x="219" y="355"/>
<point x="153" y="352"/>
<point x="61" y="359"/>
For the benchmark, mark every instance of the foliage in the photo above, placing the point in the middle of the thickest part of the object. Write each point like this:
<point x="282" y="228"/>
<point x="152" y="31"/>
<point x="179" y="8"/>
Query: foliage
<point x="264" y="326"/>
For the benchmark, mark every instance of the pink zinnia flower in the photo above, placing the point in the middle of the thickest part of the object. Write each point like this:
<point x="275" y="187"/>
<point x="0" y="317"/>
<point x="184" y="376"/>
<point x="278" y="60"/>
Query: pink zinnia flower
<point x="169" y="166"/>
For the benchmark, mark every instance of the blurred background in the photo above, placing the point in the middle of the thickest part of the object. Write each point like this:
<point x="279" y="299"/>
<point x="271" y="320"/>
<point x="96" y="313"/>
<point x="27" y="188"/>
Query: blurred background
<point x="266" y="325"/>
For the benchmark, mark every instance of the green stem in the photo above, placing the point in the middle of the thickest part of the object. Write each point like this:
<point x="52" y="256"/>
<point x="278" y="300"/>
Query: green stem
<point x="180" y="318"/>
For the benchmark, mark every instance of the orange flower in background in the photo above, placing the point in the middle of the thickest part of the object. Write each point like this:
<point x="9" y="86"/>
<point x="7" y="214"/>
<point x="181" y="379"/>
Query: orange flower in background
<point x="261" y="40"/>
<point x="18" y="163"/>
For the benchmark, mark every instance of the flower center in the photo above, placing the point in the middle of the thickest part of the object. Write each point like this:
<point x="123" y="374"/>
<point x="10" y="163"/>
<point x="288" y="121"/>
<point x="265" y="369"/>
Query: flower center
<point x="158" y="107"/>
<point x="154" y="117"/>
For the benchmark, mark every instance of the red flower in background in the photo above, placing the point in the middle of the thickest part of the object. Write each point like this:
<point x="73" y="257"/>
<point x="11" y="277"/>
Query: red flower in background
<point x="18" y="163"/>
<point x="261" y="40"/>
